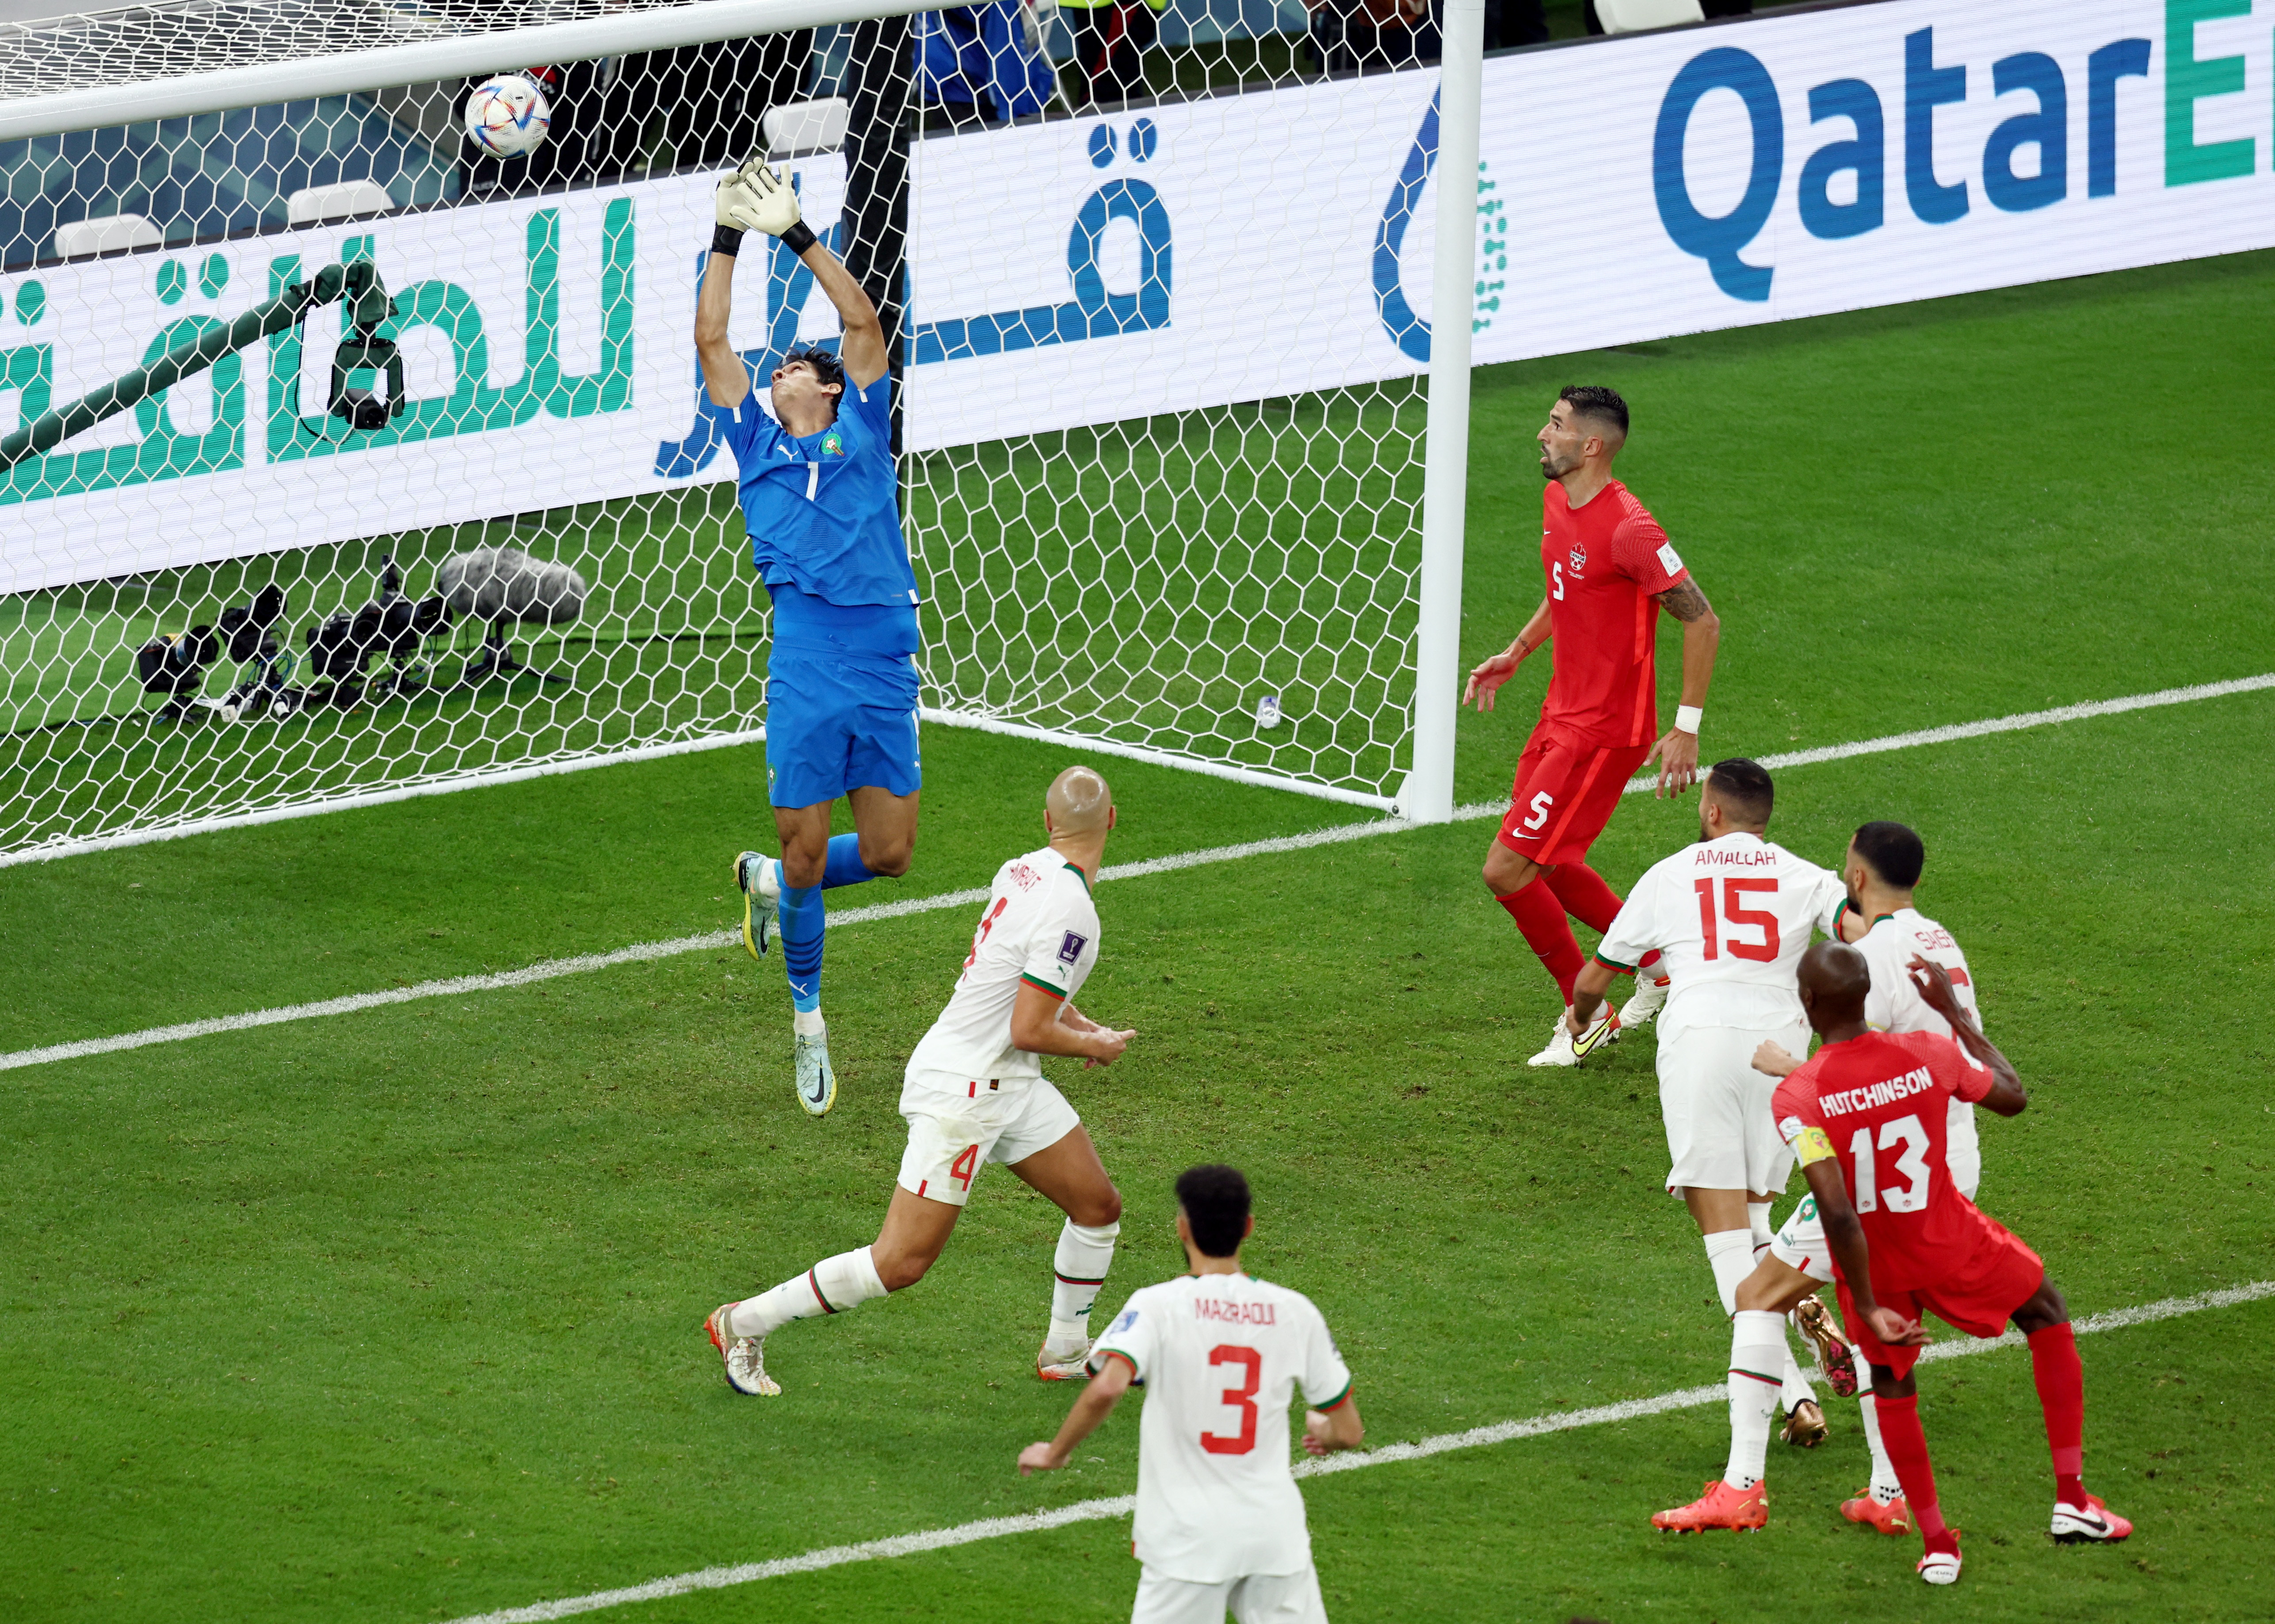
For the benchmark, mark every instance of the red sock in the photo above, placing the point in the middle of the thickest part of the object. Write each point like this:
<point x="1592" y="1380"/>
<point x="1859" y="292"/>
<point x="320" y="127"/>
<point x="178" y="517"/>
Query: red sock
<point x="1584" y="895"/>
<point x="1906" y="1447"/>
<point x="2061" y="1394"/>
<point x="1588" y="900"/>
<point x="1541" y="917"/>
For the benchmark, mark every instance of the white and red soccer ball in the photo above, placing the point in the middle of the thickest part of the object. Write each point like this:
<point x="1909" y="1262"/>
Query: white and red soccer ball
<point x="507" y="115"/>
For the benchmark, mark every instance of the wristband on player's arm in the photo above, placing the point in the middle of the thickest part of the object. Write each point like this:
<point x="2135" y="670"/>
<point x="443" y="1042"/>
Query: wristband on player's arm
<point x="799" y="237"/>
<point x="1686" y="718"/>
<point x="726" y="240"/>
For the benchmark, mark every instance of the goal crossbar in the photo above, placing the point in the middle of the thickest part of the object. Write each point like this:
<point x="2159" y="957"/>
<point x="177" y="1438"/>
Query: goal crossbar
<point x="62" y="55"/>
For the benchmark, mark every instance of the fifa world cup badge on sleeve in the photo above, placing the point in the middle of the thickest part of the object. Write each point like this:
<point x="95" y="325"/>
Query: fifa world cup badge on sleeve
<point x="1070" y="949"/>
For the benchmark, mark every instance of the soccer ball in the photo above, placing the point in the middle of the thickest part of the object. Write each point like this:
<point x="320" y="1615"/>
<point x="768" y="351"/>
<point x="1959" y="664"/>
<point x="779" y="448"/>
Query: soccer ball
<point x="506" y="114"/>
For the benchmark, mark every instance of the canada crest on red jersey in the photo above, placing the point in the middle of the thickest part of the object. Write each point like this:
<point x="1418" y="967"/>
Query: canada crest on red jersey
<point x="1579" y="558"/>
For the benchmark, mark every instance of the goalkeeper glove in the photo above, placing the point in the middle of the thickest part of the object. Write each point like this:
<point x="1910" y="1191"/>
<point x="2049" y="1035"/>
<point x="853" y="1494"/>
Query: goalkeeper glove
<point x="756" y="199"/>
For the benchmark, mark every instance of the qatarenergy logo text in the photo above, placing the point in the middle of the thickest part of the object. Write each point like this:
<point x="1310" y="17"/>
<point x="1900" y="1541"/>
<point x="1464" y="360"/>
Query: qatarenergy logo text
<point x="2033" y="158"/>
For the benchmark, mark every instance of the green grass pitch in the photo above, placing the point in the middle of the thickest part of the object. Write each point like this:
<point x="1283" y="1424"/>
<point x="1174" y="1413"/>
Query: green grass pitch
<point x="395" y="1317"/>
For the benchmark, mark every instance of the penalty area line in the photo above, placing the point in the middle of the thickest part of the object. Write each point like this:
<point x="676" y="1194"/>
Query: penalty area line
<point x="640" y="953"/>
<point x="1357" y="1460"/>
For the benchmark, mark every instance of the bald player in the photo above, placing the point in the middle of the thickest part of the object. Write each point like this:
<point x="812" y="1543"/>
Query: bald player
<point x="975" y="1093"/>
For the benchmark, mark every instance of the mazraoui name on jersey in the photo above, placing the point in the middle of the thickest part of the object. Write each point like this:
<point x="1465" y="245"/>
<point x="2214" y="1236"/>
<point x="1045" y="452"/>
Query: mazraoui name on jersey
<point x="1733" y="916"/>
<point x="1038" y="928"/>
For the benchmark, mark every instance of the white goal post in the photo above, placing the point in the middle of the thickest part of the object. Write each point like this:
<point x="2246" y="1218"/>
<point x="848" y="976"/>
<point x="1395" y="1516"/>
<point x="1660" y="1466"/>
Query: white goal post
<point x="1148" y="519"/>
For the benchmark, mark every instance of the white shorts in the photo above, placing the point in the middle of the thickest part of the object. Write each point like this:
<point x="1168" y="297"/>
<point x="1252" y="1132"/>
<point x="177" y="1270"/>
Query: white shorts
<point x="1720" y="1133"/>
<point x="956" y="1125"/>
<point x="1800" y="1242"/>
<point x="1259" y="1598"/>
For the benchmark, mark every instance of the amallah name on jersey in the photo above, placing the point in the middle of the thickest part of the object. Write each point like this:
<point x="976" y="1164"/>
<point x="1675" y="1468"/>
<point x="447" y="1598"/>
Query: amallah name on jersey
<point x="1758" y="855"/>
<point x="1915" y="1082"/>
<point x="1238" y="1313"/>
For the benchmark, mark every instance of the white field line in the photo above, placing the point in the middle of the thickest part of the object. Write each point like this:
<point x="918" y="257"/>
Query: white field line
<point x="711" y="941"/>
<point x="1358" y="1459"/>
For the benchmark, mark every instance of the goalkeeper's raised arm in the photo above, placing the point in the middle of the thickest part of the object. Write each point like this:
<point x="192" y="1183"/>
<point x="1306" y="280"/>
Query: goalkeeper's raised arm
<point x="756" y="199"/>
<point x="821" y="505"/>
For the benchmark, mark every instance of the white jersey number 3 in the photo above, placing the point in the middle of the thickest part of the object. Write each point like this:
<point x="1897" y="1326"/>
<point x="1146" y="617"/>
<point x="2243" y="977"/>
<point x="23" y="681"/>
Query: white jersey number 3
<point x="1911" y="1195"/>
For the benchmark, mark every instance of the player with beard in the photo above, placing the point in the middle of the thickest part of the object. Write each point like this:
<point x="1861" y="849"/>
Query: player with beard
<point x="1610" y="569"/>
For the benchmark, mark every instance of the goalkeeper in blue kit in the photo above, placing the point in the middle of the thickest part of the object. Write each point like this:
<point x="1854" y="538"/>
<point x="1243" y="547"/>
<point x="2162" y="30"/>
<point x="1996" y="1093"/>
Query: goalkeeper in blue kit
<point x="819" y="500"/>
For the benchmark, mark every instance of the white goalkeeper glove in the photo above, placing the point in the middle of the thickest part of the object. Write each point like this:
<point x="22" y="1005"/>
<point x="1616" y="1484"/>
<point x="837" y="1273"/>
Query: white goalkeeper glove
<point x="754" y="198"/>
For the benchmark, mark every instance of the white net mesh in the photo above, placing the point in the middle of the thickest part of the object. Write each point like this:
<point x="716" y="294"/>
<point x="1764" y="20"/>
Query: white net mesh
<point x="538" y="559"/>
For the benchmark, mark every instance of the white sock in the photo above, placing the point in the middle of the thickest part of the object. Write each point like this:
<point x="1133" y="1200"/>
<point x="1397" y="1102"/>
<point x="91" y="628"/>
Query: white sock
<point x="830" y="1287"/>
<point x="1796" y="1389"/>
<point x="1757" y="1344"/>
<point x="1884" y="1485"/>
<point x="770" y="878"/>
<point x="1758" y="1225"/>
<point x="1730" y="1254"/>
<point x="1077" y="1270"/>
<point x="807" y="1023"/>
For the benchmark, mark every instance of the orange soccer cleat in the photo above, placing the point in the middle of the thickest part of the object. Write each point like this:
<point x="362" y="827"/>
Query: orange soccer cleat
<point x="1721" y="1506"/>
<point x="1888" y="1516"/>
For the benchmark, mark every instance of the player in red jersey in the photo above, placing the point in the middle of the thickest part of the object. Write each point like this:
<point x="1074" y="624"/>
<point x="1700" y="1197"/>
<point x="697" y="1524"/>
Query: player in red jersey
<point x="1868" y="1114"/>
<point x="1609" y="569"/>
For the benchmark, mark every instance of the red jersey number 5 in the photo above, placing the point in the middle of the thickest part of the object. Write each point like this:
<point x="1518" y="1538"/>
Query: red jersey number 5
<point x="1733" y="910"/>
<point x="1242" y="1398"/>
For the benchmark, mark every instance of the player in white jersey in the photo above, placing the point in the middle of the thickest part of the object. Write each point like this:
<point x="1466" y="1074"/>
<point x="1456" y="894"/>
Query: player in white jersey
<point x="1219" y="1524"/>
<point x="1733" y="915"/>
<point x="1881" y="868"/>
<point x="975" y="1092"/>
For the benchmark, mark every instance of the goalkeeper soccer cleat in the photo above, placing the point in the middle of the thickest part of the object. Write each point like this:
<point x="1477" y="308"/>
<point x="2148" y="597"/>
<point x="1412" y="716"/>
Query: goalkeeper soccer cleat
<point x="1058" y="1364"/>
<point x="761" y="888"/>
<point x="1648" y="999"/>
<point x="1566" y="1050"/>
<point x="817" y="1084"/>
<point x="1815" y="1321"/>
<point x="1721" y="1506"/>
<point x="744" y="1357"/>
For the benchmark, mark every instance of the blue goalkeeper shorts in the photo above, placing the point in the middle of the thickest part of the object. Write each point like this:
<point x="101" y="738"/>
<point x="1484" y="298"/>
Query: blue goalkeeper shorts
<point x="839" y="722"/>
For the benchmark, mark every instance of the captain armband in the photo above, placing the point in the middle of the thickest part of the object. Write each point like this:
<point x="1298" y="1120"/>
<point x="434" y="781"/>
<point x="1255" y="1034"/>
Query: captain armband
<point x="1813" y="1145"/>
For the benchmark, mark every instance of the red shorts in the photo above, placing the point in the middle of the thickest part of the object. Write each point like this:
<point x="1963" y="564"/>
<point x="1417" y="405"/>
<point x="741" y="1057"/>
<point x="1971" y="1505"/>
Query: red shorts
<point x="1979" y="1298"/>
<point x="1566" y="789"/>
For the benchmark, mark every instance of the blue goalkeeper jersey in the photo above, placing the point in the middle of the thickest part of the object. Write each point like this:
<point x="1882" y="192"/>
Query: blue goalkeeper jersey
<point x="823" y="510"/>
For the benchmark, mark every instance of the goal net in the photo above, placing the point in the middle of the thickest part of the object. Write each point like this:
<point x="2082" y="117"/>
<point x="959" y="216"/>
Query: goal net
<point x="1159" y="501"/>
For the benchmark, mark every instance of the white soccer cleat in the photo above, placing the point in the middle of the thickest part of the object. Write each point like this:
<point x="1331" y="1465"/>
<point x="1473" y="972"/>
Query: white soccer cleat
<point x="744" y="1357"/>
<point x="1566" y="1050"/>
<point x="760" y="880"/>
<point x="817" y="1084"/>
<point x="1061" y="1364"/>
<point x="1941" y="1567"/>
<point x="1648" y="999"/>
<point x="2091" y="1523"/>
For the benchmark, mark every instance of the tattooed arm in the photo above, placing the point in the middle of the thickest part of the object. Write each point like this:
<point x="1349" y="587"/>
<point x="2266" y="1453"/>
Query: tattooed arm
<point x="1677" y="753"/>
